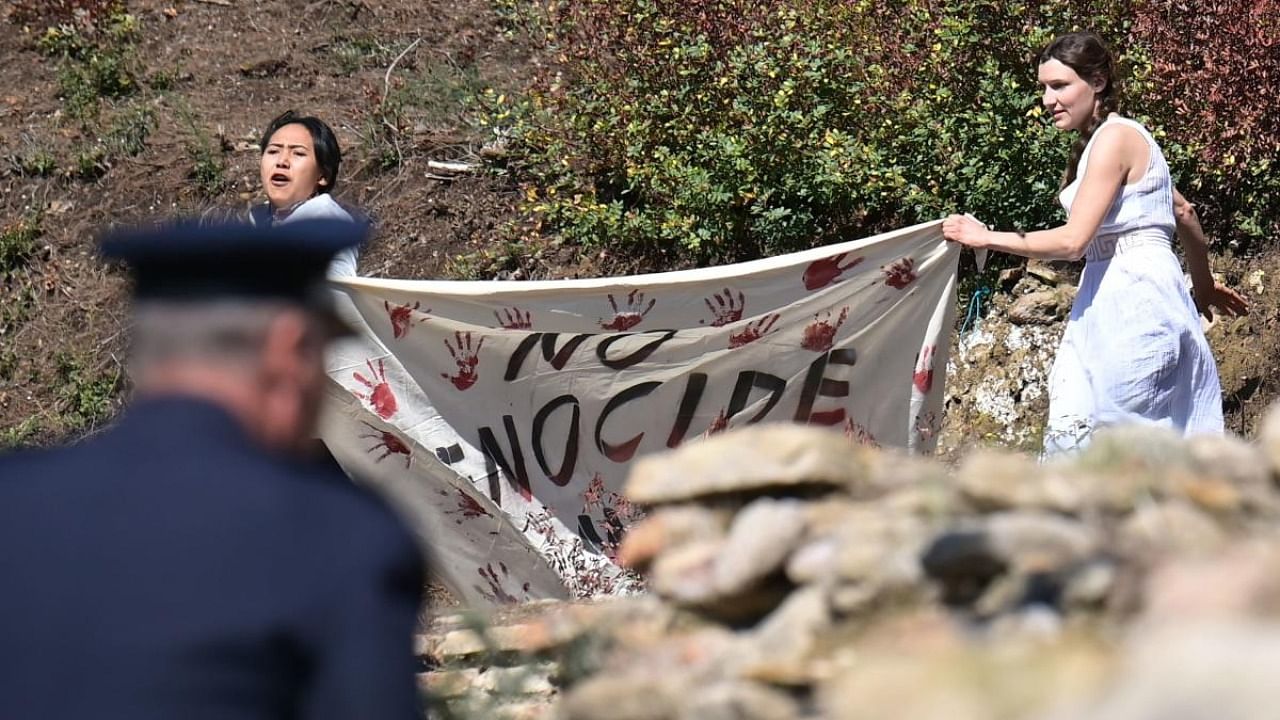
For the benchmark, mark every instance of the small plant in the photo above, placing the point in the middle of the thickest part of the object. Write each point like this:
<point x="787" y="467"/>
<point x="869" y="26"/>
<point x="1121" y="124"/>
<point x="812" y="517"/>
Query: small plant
<point x="18" y="243"/>
<point x="208" y="169"/>
<point x="356" y="53"/>
<point x="130" y="129"/>
<point x="436" y="95"/>
<point x="98" y="57"/>
<point x="87" y="398"/>
<point x="38" y="162"/>
<point x="18" y="307"/>
<point x="91" y="162"/>
<point x="164" y="80"/>
<point x="24" y="434"/>
<point x="381" y="129"/>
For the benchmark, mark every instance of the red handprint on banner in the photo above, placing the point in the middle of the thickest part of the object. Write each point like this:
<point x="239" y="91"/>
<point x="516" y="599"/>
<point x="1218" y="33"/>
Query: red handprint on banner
<point x="468" y="507"/>
<point x="719" y="424"/>
<point x="725" y="310"/>
<point x="630" y="315"/>
<point x="820" y="334"/>
<point x="466" y="358"/>
<point x="753" y="331"/>
<point x="900" y="274"/>
<point x="402" y="317"/>
<point x="859" y="434"/>
<point x="388" y="443"/>
<point x="822" y="273"/>
<point x="513" y="318"/>
<point x="496" y="594"/>
<point x="593" y="496"/>
<point x="922" y="378"/>
<point x="380" y="397"/>
<point x="927" y="426"/>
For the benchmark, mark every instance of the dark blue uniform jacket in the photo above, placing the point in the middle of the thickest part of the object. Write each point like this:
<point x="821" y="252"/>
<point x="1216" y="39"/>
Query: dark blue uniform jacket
<point x="169" y="568"/>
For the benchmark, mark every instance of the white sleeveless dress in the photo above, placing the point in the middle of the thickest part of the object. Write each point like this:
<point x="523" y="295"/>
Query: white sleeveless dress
<point x="1133" y="350"/>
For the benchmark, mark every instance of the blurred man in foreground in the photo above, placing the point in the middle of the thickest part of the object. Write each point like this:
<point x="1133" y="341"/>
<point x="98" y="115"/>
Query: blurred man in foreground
<point x="190" y="562"/>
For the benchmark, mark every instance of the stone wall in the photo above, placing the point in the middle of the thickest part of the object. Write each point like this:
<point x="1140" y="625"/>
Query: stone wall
<point x="794" y="575"/>
<point x="999" y="362"/>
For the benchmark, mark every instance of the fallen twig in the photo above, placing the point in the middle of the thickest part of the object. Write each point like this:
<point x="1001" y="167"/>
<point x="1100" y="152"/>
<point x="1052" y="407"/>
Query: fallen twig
<point x="450" y="168"/>
<point x="386" y="79"/>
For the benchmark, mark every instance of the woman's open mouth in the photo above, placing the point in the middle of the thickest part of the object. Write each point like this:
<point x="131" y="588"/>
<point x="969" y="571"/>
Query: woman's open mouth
<point x="279" y="179"/>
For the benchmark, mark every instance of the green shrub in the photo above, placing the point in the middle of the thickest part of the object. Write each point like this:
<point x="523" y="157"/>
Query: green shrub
<point x="718" y="130"/>
<point x="208" y="170"/>
<point x="18" y="244"/>
<point x="1211" y="83"/>
<point x="36" y="162"/>
<point x="351" y="54"/>
<point x="415" y="102"/>
<point x="97" y="57"/>
<point x="208" y="167"/>
<point x="86" y="398"/>
<point x="129" y="130"/>
<point x="90" y="162"/>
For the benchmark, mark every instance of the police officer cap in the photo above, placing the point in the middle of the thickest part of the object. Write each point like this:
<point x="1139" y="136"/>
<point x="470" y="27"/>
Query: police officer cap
<point x="192" y="260"/>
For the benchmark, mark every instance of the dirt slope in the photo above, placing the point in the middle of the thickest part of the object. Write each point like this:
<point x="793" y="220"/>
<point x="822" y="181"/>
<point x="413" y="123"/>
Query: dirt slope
<point x="212" y="73"/>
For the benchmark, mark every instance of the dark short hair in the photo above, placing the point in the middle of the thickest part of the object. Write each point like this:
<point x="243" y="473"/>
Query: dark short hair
<point x="328" y="154"/>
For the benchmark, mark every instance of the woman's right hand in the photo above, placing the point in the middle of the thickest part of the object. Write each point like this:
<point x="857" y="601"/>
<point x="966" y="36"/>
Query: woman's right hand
<point x="1230" y="302"/>
<point x="964" y="230"/>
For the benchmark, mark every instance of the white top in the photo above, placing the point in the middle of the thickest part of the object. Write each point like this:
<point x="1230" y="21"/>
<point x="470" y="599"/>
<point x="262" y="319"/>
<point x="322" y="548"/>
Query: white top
<point x="319" y="207"/>
<point x="1147" y="203"/>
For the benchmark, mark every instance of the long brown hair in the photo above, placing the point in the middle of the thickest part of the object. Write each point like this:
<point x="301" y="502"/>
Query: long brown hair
<point x="1085" y="53"/>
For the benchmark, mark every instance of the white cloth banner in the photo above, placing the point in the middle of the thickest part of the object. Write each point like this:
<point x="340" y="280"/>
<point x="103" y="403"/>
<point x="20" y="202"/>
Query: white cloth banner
<point x="503" y="416"/>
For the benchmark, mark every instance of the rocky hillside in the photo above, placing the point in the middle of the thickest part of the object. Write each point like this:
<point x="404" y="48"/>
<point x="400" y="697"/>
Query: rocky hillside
<point x="796" y="576"/>
<point x="112" y="117"/>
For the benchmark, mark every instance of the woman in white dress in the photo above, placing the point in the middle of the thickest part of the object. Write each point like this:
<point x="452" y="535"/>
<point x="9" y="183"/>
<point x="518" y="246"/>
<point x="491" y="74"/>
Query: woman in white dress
<point x="1133" y="350"/>
<point x="299" y="168"/>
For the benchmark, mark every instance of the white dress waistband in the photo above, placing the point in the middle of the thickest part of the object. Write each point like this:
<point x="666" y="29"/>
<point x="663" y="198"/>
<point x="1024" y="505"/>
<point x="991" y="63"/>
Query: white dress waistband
<point x="1105" y="247"/>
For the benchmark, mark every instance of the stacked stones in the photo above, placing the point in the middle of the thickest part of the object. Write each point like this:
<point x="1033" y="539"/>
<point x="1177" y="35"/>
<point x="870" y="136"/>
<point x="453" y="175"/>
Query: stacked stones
<point x="797" y="575"/>
<point x="999" y="365"/>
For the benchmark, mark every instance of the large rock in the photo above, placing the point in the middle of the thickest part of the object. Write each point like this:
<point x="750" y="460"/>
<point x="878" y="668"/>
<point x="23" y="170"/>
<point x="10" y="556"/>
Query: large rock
<point x="1008" y="682"/>
<point x="1232" y="478"/>
<point x="748" y="461"/>
<point x="623" y="697"/>
<point x="1171" y="528"/>
<point x="993" y="479"/>
<point x="1033" y="542"/>
<point x="781" y="648"/>
<point x="1241" y="582"/>
<point x="688" y="577"/>
<point x="1188" y="671"/>
<point x="877" y="561"/>
<point x="761" y="538"/>
<point x="739" y="700"/>
<point x="1125" y="466"/>
<point x="1042" y="307"/>
<point x="669" y="527"/>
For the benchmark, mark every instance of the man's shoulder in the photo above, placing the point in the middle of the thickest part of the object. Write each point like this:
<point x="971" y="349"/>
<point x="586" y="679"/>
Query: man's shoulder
<point x="44" y="464"/>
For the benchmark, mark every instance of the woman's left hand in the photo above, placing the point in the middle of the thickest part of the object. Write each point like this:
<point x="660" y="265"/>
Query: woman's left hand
<point x="964" y="230"/>
<point x="1230" y="302"/>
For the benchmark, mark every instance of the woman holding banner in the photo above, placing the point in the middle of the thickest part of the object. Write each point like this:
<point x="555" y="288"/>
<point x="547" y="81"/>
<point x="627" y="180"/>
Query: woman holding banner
<point x="1133" y="349"/>
<point x="299" y="168"/>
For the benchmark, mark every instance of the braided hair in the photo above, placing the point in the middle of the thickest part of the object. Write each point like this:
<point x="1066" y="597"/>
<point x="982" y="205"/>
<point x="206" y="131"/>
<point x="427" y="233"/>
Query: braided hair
<point x="1085" y="53"/>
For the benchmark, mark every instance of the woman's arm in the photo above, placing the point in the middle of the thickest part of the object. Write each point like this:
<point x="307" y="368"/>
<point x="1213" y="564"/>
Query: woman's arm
<point x="1110" y="160"/>
<point x="1195" y="246"/>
